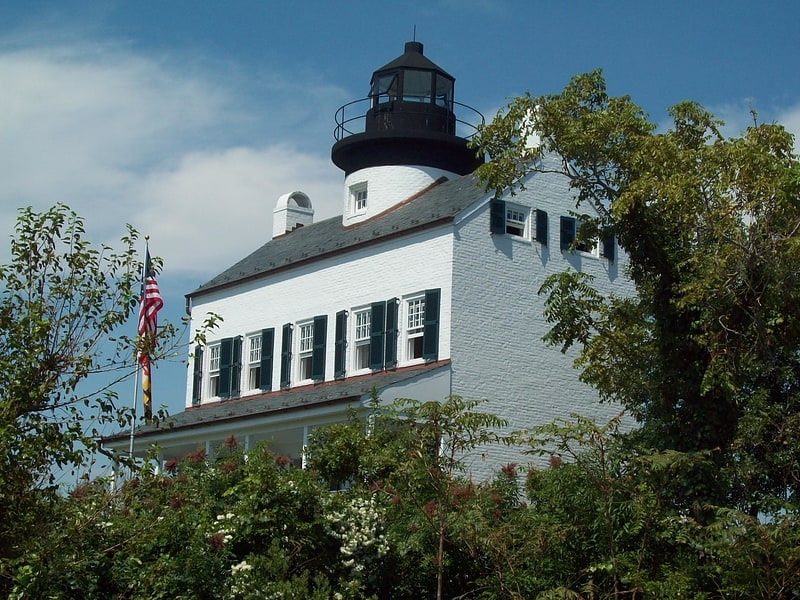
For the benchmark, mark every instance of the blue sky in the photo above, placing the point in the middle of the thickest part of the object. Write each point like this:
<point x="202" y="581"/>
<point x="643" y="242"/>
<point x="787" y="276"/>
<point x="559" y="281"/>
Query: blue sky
<point x="189" y="119"/>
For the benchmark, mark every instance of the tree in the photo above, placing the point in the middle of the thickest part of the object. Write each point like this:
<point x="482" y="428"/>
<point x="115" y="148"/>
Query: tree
<point x="61" y="300"/>
<point x="413" y="455"/>
<point x="706" y="353"/>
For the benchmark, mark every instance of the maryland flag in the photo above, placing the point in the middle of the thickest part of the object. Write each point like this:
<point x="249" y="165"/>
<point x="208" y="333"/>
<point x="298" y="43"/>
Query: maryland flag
<point x="150" y="302"/>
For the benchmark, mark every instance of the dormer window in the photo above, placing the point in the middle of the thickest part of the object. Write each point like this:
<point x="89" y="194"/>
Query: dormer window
<point x="358" y="198"/>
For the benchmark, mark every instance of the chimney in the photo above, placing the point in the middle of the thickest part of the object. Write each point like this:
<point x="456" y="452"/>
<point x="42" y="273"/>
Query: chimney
<point x="292" y="211"/>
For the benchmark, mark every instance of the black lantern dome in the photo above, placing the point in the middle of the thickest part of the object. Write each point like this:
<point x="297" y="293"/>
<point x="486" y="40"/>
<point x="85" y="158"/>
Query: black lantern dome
<point x="409" y="120"/>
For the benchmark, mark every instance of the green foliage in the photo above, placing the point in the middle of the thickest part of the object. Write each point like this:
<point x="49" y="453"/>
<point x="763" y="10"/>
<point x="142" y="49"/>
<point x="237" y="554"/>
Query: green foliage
<point x="602" y="518"/>
<point x="61" y="302"/>
<point x="705" y="354"/>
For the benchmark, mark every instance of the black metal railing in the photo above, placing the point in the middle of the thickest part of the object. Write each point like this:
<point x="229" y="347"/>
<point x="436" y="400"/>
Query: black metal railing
<point x="351" y="118"/>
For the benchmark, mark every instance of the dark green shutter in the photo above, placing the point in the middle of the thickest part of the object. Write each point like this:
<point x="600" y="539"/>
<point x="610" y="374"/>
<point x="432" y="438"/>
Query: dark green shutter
<point x="318" y="352"/>
<point x="340" y="344"/>
<point x="390" y="350"/>
<point x="197" y="381"/>
<point x="267" y="351"/>
<point x="430" y="335"/>
<point x="236" y="368"/>
<point x="541" y="227"/>
<point x="607" y="248"/>
<point x="286" y="355"/>
<point x="497" y="216"/>
<point x="567" y="232"/>
<point x="377" y="335"/>
<point x="225" y="362"/>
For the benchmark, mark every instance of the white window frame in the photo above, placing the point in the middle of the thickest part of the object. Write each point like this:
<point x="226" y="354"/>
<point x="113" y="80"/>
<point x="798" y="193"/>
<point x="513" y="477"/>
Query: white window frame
<point x="594" y="251"/>
<point x="361" y="336"/>
<point x="517" y="217"/>
<point x="359" y="198"/>
<point x="214" y="355"/>
<point x="253" y="377"/>
<point x="413" y="327"/>
<point x="304" y="351"/>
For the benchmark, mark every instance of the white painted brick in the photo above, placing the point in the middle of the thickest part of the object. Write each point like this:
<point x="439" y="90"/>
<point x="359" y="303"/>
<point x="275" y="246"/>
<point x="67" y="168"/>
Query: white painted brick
<point x="387" y="186"/>
<point x="491" y="324"/>
<point x="396" y="268"/>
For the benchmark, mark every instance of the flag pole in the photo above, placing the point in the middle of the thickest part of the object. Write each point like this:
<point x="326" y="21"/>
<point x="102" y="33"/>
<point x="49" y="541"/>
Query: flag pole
<point x="150" y="302"/>
<point x="135" y="403"/>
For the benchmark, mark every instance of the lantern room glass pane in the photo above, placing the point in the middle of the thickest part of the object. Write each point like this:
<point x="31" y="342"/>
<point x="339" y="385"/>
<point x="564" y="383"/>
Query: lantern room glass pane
<point x="384" y="88"/>
<point x="417" y="86"/>
<point x="444" y="92"/>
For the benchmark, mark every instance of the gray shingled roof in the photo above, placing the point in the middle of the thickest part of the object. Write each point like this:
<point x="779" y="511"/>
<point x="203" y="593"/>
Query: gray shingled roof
<point x="351" y="389"/>
<point x="438" y="204"/>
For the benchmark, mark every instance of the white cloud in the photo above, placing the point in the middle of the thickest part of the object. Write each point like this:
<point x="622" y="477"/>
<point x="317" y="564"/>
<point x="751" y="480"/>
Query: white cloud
<point x="216" y="207"/>
<point x="178" y="150"/>
<point x="790" y="119"/>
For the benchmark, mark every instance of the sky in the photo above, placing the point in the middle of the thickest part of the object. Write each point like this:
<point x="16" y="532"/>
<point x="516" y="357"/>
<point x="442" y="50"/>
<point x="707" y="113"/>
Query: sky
<point x="189" y="120"/>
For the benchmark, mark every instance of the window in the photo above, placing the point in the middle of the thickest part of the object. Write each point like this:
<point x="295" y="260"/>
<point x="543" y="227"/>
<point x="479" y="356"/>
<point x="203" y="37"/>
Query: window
<point x="569" y="232"/>
<point x="361" y="200"/>
<point x="305" y="351"/>
<point x="213" y="370"/>
<point x="444" y="92"/>
<point x="310" y="351"/>
<point x="416" y="86"/>
<point x="422" y="326"/>
<point x="415" y="317"/>
<point x="253" y="361"/>
<point x="358" y="197"/>
<point x="588" y="246"/>
<point x="514" y="219"/>
<point x="412" y="325"/>
<point x="362" y="328"/>
<point x="225" y="368"/>
<point x="384" y="89"/>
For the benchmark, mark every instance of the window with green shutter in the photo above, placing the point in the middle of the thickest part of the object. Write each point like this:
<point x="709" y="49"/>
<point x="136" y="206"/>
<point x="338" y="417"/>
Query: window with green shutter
<point x="390" y="349"/>
<point x="197" y="378"/>
<point x="286" y="355"/>
<point x="361" y="339"/>
<point x="318" y="351"/>
<point x="340" y="345"/>
<point x="567" y="232"/>
<point x="377" y="335"/>
<point x="497" y="217"/>
<point x="430" y="335"/>
<point x="607" y="248"/>
<point x="541" y="227"/>
<point x="267" y="352"/>
<point x="230" y="367"/>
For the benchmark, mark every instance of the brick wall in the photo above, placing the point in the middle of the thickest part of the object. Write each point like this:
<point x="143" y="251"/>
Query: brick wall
<point x="350" y="280"/>
<point x="497" y="348"/>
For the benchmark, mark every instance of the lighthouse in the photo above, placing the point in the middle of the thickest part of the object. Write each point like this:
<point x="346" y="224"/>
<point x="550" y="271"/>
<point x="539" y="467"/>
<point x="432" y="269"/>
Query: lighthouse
<point x="403" y="137"/>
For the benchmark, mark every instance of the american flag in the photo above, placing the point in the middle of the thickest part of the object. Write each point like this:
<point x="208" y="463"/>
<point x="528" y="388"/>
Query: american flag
<point x="150" y="302"/>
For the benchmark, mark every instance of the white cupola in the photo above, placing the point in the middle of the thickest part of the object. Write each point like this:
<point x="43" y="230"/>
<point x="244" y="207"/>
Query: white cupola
<point x="291" y="211"/>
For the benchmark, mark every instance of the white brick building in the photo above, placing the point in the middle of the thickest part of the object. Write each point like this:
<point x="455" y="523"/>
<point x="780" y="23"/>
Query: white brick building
<point x="426" y="286"/>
